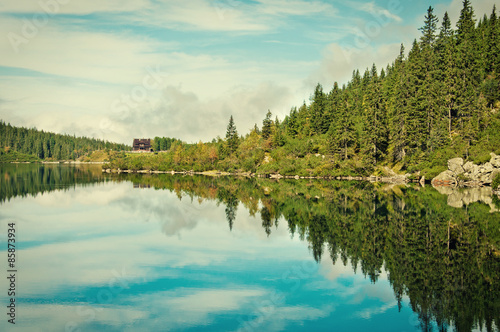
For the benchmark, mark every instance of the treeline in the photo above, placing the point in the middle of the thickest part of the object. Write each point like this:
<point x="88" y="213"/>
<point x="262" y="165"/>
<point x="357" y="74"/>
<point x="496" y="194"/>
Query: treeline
<point x="45" y="145"/>
<point x="163" y="143"/>
<point x="440" y="101"/>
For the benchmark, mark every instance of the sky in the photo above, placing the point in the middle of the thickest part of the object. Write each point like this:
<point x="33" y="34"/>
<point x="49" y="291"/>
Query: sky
<point x="123" y="69"/>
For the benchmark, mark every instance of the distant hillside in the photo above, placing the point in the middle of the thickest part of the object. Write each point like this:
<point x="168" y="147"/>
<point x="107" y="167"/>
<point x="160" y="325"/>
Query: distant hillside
<point x="46" y="145"/>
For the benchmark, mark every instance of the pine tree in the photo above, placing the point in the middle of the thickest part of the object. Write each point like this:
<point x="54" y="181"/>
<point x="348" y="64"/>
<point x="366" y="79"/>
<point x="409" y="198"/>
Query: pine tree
<point x="429" y="29"/>
<point x="267" y="126"/>
<point x="398" y="109"/>
<point x="492" y="44"/>
<point x="341" y="135"/>
<point x="447" y="72"/>
<point x="319" y="116"/>
<point x="292" y="126"/>
<point x="232" y="138"/>
<point x="375" y="126"/>
<point x="466" y="22"/>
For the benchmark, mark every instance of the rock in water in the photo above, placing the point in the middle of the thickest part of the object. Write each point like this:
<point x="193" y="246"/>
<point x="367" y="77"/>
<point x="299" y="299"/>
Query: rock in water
<point x="445" y="178"/>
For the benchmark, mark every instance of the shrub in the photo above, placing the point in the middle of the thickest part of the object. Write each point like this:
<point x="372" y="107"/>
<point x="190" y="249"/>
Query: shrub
<point x="433" y="172"/>
<point x="482" y="159"/>
<point x="496" y="182"/>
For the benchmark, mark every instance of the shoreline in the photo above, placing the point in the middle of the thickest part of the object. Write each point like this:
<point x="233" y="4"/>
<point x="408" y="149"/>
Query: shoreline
<point x="397" y="180"/>
<point x="393" y="180"/>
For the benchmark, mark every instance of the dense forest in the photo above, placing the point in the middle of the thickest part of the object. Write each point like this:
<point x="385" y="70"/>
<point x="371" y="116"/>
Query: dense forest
<point x="439" y="101"/>
<point x="45" y="145"/>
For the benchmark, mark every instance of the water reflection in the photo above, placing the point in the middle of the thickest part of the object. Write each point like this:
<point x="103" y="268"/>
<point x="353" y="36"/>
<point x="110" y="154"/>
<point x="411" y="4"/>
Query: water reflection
<point x="228" y="254"/>
<point x="29" y="180"/>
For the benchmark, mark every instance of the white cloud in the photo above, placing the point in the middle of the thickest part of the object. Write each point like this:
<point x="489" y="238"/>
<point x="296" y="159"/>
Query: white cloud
<point x="202" y="15"/>
<point x="377" y="11"/>
<point x="77" y="55"/>
<point x="53" y="7"/>
<point x="339" y="62"/>
<point x="184" y="115"/>
<point x="295" y="7"/>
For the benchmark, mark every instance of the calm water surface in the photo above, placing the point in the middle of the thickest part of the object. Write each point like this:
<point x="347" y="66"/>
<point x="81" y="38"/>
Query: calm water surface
<point x="167" y="253"/>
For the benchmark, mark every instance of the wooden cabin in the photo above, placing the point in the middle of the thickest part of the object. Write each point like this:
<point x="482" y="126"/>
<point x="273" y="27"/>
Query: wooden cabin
<point x="142" y="145"/>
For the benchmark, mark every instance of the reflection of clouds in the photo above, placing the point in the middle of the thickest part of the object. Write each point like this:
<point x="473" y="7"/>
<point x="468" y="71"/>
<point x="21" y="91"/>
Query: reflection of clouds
<point x="72" y="240"/>
<point x="278" y="318"/>
<point x="54" y="317"/>
<point x="192" y="307"/>
<point x="369" y="312"/>
<point x="74" y="247"/>
<point x="174" y="215"/>
<point x="100" y="195"/>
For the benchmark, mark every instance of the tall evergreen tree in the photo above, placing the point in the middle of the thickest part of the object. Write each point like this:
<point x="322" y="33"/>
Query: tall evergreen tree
<point x="375" y="129"/>
<point x="232" y="138"/>
<point x="267" y="125"/>
<point x="319" y="116"/>
<point x="429" y="29"/>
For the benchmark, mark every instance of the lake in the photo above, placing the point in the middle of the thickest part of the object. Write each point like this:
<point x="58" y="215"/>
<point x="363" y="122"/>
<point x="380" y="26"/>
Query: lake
<point x="133" y="252"/>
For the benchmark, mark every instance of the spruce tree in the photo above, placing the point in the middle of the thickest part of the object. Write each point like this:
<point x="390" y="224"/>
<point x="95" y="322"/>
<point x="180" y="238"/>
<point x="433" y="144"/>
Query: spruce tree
<point x="319" y="116"/>
<point x="267" y="126"/>
<point x="375" y="126"/>
<point x="429" y="29"/>
<point x="232" y="138"/>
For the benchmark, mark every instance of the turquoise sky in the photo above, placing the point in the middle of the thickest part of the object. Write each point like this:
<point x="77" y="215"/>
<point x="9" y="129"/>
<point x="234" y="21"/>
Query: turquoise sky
<point x="121" y="69"/>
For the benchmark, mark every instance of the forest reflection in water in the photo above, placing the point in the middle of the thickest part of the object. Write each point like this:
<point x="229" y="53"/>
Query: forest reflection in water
<point x="446" y="259"/>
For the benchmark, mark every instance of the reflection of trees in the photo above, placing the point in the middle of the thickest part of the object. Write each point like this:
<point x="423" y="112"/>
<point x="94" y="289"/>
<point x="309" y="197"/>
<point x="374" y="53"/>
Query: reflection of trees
<point x="29" y="180"/>
<point x="445" y="260"/>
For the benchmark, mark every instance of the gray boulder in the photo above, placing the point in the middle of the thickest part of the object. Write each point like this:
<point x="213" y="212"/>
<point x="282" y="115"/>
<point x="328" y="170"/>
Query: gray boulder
<point x="488" y="167"/>
<point x="469" y="167"/>
<point x="446" y="177"/>
<point x="495" y="160"/>
<point x="455" y="165"/>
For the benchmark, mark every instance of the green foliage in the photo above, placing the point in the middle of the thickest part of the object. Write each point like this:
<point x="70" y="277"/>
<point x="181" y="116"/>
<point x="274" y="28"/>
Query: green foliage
<point x="50" y="146"/>
<point x="164" y="143"/>
<point x="481" y="159"/>
<point x="14" y="156"/>
<point x="496" y="182"/>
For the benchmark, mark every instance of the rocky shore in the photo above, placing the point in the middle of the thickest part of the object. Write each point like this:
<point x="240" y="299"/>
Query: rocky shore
<point x="393" y="179"/>
<point x="468" y="174"/>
